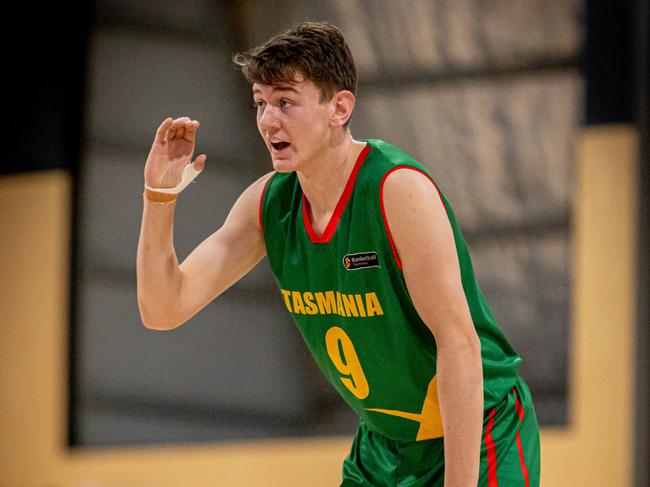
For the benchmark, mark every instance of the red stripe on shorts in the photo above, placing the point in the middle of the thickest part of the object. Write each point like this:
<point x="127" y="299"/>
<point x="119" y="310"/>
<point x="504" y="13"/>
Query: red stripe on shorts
<point x="522" y="460"/>
<point x="491" y="452"/>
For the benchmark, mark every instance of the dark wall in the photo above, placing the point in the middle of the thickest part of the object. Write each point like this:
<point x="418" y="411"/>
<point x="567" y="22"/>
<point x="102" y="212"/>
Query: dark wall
<point x="45" y="92"/>
<point x="609" y="62"/>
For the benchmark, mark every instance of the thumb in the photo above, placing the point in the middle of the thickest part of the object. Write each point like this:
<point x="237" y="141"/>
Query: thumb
<point x="199" y="162"/>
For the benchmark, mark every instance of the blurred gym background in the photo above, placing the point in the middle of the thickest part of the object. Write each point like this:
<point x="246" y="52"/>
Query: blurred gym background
<point x="533" y="117"/>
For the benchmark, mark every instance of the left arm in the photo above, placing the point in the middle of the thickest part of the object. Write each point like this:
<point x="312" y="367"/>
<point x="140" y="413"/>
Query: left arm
<point x="425" y="245"/>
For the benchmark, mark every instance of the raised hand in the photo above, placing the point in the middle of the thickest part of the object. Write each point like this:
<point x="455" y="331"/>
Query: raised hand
<point x="171" y="151"/>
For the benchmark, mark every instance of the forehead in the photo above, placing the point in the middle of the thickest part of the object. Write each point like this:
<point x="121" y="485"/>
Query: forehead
<point x="280" y="87"/>
<point x="298" y="86"/>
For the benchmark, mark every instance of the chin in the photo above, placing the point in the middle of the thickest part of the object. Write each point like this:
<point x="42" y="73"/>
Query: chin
<point x="282" y="165"/>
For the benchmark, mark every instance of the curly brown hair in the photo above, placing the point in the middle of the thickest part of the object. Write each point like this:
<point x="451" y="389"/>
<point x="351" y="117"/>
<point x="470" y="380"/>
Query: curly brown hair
<point x="315" y="50"/>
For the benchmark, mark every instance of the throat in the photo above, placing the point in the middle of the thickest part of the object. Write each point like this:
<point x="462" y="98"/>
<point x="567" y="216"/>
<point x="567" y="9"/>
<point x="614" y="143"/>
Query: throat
<point x="326" y="192"/>
<point x="323" y="184"/>
<point x="319" y="222"/>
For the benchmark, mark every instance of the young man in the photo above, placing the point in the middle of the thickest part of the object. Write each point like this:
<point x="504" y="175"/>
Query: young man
<point x="371" y="264"/>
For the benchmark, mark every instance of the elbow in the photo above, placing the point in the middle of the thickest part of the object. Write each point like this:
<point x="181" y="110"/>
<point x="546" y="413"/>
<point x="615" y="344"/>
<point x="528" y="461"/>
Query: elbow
<point x="156" y="321"/>
<point x="468" y="347"/>
<point x="160" y="325"/>
<point x="157" y="325"/>
<point x="461" y="344"/>
<point x="474" y="344"/>
<point x="472" y="347"/>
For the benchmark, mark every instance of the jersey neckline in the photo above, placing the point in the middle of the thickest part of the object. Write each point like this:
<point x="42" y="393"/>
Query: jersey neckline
<point x="332" y="225"/>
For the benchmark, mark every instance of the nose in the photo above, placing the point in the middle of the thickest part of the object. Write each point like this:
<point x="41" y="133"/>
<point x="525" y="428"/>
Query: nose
<point x="268" y="119"/>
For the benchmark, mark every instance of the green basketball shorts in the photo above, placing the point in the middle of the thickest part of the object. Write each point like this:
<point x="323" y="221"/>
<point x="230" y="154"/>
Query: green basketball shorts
<point x="510" y="452"/>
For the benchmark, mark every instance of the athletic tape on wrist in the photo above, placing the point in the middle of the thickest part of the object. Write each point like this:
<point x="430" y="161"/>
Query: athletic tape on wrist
<point x="189" y="174"/>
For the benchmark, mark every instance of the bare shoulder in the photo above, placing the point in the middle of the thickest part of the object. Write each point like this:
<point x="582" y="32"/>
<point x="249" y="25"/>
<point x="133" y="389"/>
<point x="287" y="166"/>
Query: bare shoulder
<point x="407" y="189"/>
<point x="246" y="208"/>
<point x="257" y="187"/>
<point x="417" y="220"/>
<point x="261" y="182"/>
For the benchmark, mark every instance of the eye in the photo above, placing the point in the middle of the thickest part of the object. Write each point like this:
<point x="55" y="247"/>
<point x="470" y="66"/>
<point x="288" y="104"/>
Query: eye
<point x="284" y="103"/>
<point x="258" y="103"/>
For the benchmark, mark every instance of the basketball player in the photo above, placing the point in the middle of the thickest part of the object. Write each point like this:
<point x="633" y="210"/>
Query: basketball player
<point x="371" y="264"/>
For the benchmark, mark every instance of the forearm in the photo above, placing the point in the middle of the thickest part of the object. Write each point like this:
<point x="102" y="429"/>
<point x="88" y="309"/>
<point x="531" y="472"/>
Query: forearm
<point x="460" y="393"/>
<point x="158" y="273"/>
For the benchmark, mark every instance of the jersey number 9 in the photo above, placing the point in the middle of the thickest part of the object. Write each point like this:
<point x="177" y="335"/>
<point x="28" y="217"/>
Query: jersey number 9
<point x="344" y="357"/>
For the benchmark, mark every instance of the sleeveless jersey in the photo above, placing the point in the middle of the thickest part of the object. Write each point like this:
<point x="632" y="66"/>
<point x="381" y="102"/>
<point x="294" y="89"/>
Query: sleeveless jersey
<point x="346" y="292"/>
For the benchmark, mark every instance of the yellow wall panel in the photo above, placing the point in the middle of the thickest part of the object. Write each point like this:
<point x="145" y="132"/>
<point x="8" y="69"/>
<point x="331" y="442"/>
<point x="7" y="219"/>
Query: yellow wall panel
<point x="596" y="450"/>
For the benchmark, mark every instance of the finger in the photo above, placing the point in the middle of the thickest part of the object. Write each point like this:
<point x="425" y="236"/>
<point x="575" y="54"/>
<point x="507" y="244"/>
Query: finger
<point x="180" y="133"/>
<point x="162" y="129"/>
<point x="180" y="121"/>
<point x="199" y="162"/>
<point x="177" y="127"/>
<point x="190" y="130"/>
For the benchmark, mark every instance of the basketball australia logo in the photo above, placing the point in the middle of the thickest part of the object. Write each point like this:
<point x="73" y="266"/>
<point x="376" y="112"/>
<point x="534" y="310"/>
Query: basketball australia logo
<point x="362" y="260"/>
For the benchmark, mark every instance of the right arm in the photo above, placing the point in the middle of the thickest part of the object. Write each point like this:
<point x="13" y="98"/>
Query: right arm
<point x="169" y="294"/>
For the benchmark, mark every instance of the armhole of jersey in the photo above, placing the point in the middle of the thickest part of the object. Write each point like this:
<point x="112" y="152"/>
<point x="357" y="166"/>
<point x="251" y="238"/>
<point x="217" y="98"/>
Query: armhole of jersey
<point x="383" y="211"/>
<point x="262" y="202"/>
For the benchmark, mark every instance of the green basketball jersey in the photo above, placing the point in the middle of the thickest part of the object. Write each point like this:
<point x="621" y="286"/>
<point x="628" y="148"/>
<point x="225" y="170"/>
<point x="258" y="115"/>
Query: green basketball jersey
<point x="346" y="292"/>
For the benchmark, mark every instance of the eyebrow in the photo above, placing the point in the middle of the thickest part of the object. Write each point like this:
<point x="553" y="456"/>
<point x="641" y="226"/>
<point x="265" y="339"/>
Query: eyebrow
<point x="279" y="88"/>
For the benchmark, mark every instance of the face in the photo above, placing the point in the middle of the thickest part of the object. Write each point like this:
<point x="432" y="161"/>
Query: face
<point x="293" y="122"/>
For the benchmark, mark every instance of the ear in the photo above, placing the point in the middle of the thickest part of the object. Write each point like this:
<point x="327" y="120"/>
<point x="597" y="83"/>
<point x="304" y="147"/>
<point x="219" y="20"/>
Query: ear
<point x="342" y="106"/>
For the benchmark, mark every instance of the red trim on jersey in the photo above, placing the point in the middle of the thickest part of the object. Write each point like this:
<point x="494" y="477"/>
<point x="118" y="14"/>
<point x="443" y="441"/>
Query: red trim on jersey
<point x="383" y="212"/>
<point x="491" y="452"/>
<point x="518" y="407"/>
<point x="522" y="460"/>
<point x="330" y="229"/>
<point x="262" y="201"/>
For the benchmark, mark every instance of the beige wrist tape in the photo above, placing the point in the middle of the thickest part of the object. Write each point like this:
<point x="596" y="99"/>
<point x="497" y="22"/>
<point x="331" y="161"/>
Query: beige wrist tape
<point x="189" y="174"/>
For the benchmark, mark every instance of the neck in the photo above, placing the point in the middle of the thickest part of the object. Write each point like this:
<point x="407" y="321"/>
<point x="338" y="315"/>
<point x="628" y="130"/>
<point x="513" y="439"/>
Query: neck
<point x="323" y="181"/>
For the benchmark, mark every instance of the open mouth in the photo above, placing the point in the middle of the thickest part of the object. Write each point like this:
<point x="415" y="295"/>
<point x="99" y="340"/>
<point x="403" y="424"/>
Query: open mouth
<point x="280" y="145"/>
